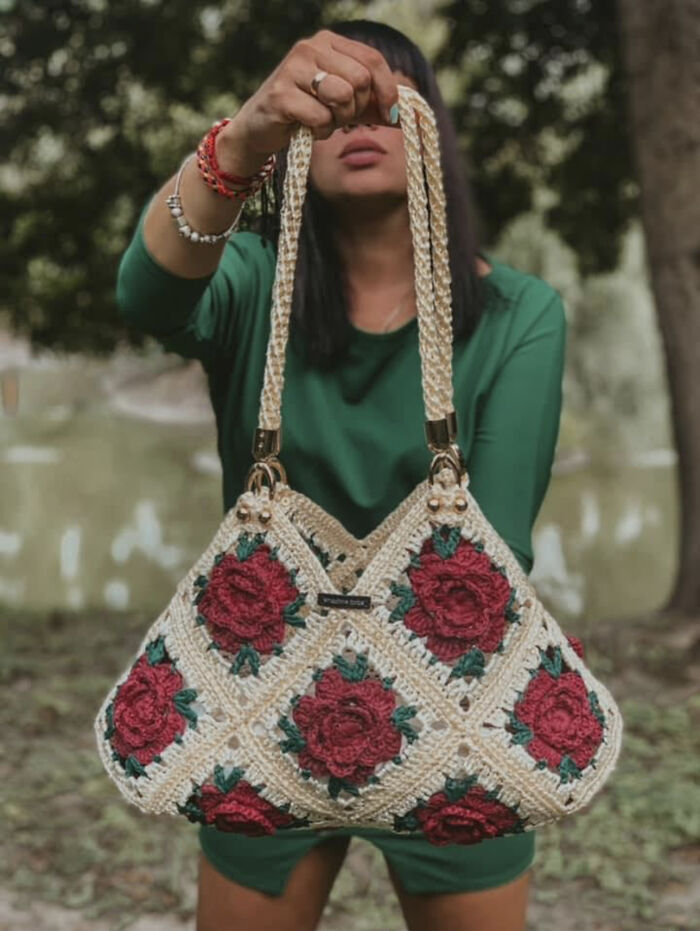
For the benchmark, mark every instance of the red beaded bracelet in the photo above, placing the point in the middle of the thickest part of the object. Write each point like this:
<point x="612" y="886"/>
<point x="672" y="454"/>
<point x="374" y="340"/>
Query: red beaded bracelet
<point x="210" y="145"/>
<point x="214" y="181"/>
<point x="215" y="176"/>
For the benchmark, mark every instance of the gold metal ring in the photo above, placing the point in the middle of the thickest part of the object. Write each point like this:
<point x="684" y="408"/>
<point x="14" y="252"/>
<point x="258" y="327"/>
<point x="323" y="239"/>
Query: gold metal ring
<point x="459" y="457"/>
<point x="277" y="465"/>
<point x="261" y="469"/>
<point x="442" y="459"/>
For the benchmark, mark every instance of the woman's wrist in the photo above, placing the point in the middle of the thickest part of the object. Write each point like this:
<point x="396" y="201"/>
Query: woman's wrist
<point x="220" y="180"/>
<point x="233" y="154"/>
<point x="183" y="223"/>
<point x="238" y="178"/>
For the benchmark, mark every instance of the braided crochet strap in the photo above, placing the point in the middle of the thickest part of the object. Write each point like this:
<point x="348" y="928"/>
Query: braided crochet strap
<point x="432" y="283"/>
<point x="441" y="431"/>
<point x="429" y="242"/>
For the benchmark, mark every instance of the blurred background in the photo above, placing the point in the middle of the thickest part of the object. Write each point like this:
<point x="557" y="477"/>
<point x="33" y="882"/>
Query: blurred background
<point x="580" y="126"/>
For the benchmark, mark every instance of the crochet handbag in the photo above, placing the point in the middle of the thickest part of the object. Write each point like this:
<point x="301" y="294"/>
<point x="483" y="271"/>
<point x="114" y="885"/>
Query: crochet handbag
<point x="411" y="680"/>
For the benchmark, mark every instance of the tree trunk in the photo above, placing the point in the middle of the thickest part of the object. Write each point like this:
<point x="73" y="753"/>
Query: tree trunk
<point x="661" y="54"/>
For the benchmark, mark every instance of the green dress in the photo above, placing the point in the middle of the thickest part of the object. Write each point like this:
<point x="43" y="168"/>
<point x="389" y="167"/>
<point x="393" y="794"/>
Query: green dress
<point x="353" y="441"/>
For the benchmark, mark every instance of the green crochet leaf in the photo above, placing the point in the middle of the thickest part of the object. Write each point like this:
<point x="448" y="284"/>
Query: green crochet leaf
<point x="155" y="651"/>
<point x="408" y="599"/>
<point x="352" y="672"/>
<point x="568" y="770"/>
<point x="248" y="544"/>
<point x="595" y="708"/>
<point x="109" y="716"/>
<point x="455" y="789"/>
<point x="445" y="548"/>
<point x="290" y="612"/>
<point x="471" y="664"/>
<point x="132" y="767"/>
<point x="407" y="822"/>
<point x="522" y="734"/>
<point x="294" y="742"/>
<point x="554" y="665"/>
<point x="191" y="812"/>
<point x="246" y="654"/>
<point x="336" y="785"/>
<point x="224" y="783"/>
<point x="400" y="717"/>
<point x="181" y="700"/>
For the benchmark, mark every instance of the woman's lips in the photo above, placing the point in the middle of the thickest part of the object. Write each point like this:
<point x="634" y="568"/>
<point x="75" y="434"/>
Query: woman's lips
<point x="361" y="157"/>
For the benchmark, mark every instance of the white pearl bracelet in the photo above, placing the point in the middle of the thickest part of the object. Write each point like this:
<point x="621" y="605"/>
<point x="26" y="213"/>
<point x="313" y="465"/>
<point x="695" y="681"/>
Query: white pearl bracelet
<point x="183" y="226"/>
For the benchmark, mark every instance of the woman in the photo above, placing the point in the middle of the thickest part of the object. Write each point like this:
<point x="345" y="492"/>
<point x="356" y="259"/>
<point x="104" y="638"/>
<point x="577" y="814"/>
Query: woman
<point x="353" y="415"/>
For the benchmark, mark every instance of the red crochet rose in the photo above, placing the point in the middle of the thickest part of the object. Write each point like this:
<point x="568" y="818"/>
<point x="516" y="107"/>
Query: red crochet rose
<point x="347" y="727"/>
<point x="145" y="718"/>
<point x="558" y="713"/>
<point x="576" y="644"/>
<point x="470" y="819"/>
<point x="461" y="601"/>
<point x="244" y="601"/>
<point x="241" y="810"/>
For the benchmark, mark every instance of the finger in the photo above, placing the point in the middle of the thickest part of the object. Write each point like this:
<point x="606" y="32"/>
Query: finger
<point x="333" y="91"/>
<point x="337" y="94"/>
<point x="348" y="85"/>
<point x="299" y="106"/>
<point x="348" y="113"/>
<point x="383" y="79"/>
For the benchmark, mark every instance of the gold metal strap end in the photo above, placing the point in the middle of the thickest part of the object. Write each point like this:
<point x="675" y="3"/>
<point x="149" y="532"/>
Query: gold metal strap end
<point x="437" y="434"/>
<point x="266" y="443"/>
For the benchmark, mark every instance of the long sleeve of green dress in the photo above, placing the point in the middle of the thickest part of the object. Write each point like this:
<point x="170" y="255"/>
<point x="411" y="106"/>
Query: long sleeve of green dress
<point x="352" y="439"/>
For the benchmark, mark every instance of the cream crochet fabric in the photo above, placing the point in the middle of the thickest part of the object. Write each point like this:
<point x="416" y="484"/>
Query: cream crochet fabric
<point x="411" y="680"/>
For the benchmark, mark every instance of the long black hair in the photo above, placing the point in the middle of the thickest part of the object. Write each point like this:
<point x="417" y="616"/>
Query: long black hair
<point x="319" y="313"/>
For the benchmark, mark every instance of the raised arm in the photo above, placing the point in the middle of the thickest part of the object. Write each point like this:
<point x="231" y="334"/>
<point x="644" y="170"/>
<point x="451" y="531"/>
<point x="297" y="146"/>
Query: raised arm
<point x="185" y="294"/>
<point x="517" y="428"/>
<point x="194" y="317"/>
<point x="205" y="209"/>
<point x="175" y="289"/>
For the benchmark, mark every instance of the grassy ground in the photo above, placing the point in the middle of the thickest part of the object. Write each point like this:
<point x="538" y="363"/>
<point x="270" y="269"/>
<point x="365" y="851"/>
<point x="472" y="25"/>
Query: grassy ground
<point x="75" y="855"/>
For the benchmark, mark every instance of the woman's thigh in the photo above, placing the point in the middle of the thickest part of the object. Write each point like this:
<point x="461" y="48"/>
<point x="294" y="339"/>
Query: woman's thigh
<point x="223" y="904"/>
<point x="457" y="887"/>
<point x="501" y="908"/>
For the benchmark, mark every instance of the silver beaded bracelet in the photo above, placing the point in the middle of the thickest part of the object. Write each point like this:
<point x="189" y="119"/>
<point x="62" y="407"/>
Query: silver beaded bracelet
<point x="183" y="226"/>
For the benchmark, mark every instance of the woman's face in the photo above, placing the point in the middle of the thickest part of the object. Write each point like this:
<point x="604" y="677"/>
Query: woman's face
<point x="370" y="174"/>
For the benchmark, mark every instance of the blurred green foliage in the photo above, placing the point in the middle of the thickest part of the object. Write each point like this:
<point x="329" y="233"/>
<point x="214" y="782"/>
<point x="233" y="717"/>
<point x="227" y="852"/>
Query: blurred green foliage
<point x="101" y="102"/>
<point x="542" y="103"/>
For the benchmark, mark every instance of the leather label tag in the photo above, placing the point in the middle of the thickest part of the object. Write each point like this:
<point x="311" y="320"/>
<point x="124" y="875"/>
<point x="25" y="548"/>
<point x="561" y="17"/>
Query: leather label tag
<point x="333" y="600"/>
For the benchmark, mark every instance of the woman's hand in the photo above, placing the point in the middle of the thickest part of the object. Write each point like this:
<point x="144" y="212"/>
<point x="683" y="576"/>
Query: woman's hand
<point x="360" y="87"/>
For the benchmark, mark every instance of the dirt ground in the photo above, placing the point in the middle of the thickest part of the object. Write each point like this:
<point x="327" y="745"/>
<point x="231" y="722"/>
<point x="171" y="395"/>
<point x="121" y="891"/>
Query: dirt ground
<point x="76" y="857"/>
